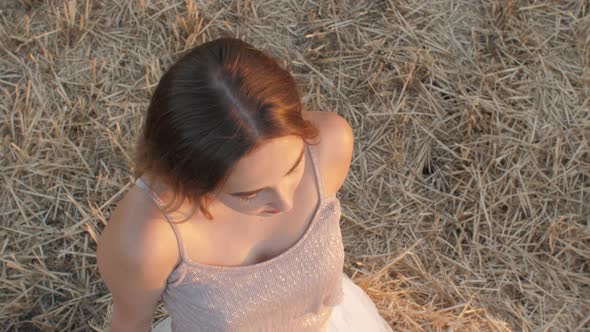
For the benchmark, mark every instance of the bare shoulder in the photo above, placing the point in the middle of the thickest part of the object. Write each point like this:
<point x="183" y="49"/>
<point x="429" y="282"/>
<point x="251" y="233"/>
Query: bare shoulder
<point x="335" y="148"/>
<point x="134" y="260"/>
<point x="138" y="237"/>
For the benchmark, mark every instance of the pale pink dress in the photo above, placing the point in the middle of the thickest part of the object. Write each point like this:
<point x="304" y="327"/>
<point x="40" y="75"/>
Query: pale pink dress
<point x="302" y="289"/>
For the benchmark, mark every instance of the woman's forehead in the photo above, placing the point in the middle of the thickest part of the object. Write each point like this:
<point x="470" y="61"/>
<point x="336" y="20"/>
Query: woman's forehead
<point x="266" y="165"/>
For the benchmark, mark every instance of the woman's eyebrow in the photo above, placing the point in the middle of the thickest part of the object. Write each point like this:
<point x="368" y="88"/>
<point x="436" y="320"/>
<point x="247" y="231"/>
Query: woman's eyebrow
<point x="248" y="193"/>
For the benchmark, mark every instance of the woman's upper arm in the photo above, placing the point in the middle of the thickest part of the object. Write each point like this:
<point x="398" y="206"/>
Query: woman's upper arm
<point x="134" y="263"/>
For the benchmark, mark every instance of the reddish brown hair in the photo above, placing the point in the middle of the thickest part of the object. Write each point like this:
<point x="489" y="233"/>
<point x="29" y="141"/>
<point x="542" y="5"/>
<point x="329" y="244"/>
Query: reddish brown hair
<point x="217" y="103"/>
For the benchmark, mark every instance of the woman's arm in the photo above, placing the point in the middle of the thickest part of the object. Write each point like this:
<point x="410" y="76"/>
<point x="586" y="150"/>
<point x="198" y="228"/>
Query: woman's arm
<point x="135" y="261"/>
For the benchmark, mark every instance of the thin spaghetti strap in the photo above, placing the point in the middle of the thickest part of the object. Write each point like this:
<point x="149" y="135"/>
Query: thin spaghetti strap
<point x="316" y="170"/>
<point x="141" y="184"/>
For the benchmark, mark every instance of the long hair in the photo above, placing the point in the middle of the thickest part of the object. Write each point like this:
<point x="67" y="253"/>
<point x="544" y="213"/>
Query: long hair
<point x="217" y="103"/>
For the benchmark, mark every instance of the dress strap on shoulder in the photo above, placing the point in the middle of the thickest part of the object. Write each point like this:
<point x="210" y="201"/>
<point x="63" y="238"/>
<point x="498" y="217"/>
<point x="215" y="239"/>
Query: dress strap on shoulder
<point x="139" y="182"/>
<point x="316" y="170"/>
<point x="158" y="201"/>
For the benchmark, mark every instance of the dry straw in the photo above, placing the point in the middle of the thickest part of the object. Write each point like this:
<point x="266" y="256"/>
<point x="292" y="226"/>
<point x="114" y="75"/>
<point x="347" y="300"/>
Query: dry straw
<point x="467" y="204"/>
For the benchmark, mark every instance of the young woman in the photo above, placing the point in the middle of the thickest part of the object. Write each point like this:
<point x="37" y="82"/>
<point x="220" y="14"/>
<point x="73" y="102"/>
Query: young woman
<point x="233" y="220"/>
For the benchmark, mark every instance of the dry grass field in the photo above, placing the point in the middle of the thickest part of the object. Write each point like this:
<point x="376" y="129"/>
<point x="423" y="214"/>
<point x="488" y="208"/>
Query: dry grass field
<point x="468" y="201"/>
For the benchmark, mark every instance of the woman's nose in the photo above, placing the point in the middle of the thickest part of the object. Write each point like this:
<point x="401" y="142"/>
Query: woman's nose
<point x="284" y="200"/>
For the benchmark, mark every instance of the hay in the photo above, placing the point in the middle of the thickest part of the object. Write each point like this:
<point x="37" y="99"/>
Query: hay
<point x="466" y="207"/>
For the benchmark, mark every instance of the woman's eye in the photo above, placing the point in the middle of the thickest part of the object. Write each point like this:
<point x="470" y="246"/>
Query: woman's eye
<point x="298" y="167"/>
<point x="248" y="198"/>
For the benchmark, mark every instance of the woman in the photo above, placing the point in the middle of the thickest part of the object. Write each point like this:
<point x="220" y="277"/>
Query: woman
<point x="233" y="220"/>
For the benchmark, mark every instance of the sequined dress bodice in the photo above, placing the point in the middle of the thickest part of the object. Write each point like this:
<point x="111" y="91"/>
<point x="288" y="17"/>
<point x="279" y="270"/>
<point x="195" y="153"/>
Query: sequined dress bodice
<point x="294" y="291"/>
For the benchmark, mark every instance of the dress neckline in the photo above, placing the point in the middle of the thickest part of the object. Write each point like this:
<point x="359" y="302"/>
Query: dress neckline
<point x="323" y="202"/>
